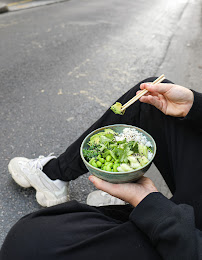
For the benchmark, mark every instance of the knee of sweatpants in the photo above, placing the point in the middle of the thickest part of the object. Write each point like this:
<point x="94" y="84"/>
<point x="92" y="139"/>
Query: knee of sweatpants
<point x="21" y="241"/>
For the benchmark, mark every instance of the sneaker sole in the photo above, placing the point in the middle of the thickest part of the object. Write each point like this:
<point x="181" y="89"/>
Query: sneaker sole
<point x="19" y="179"/>
<point x="41" y="196"/>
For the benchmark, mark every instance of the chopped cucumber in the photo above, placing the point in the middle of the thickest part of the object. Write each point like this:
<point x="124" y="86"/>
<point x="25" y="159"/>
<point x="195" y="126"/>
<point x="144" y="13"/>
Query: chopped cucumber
<point x="125" y="167"/>
<point x="140" y="148"/>
<point x="145" y="151"/>
<point x="135" y="165"/>
<point x="143" y="160"/>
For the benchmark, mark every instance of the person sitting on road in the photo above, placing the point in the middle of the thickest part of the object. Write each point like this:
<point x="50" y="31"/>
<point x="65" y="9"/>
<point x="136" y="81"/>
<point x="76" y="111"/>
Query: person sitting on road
<point x="141" y="223"/>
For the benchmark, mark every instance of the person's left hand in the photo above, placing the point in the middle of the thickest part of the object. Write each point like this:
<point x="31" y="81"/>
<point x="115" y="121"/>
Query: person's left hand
<point x="132" y="193"/>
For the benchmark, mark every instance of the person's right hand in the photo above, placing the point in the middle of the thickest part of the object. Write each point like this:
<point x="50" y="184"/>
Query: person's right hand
<point x="173" y="100"/>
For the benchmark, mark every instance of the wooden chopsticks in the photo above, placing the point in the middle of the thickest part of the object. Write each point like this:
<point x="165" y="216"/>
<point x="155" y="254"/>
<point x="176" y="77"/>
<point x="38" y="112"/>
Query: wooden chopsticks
<point x="143" y="92"/>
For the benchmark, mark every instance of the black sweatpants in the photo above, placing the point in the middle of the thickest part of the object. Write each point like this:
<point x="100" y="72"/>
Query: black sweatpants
<point x="77" y="231"/>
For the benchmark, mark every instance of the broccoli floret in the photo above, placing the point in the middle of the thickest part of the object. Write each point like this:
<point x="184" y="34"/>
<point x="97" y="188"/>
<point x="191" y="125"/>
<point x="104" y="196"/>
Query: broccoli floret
<point x="91" y="153"/>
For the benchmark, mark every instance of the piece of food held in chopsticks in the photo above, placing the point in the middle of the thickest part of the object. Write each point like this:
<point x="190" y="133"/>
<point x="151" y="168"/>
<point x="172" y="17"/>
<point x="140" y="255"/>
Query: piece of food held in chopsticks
<point x="118" y="108"/>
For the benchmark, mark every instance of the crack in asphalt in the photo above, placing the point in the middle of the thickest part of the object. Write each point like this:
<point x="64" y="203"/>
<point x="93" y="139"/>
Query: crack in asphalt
<point x="172" y="36"/>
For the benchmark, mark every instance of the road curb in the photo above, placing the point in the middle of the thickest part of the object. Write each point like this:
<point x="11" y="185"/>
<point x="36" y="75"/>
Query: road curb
<point x="3" y="8"/>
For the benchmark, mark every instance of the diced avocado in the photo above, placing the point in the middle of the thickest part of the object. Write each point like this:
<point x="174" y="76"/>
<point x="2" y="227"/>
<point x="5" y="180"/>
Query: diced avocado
<point x="143" y="160"/>
<point x="110" y="136"/>
<point x="116" y="108"/>
<point x="109" y="131"/>
<point x="107" y="134"/>
<point x="95" y="139"/>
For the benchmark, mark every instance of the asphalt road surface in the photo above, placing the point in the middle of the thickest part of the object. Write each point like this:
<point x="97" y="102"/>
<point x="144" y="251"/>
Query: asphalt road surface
<point x="62" y="65"/>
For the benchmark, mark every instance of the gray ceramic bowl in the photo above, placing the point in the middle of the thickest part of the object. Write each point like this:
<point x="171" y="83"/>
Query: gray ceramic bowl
<point x="117" y="177"/>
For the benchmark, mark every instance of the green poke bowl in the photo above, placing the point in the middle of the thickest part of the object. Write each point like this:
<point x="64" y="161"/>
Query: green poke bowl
<point x="118" y="153"/>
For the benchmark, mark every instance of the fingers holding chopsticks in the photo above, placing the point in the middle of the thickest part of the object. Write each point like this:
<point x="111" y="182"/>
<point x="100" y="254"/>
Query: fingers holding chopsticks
<point x="142" y="93"/>
<point x="160" y="88"/>
<point x="157" y="101"/>
<point x="155" y="94"/>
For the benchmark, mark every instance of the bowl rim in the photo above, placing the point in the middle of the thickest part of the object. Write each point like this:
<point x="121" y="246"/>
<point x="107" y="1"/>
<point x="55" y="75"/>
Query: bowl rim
<point x="122" y="125"/>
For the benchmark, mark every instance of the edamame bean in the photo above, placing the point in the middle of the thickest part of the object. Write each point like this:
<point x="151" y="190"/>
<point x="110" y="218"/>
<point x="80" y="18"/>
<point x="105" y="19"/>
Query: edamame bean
<point x="94" y="164"/>
<point x="102" y="160"/>
<point x="106" y="163"/>
<point x="99" y="164"/>
<point x="108" y="158"/>
<point x="108" y="168"/>
<point x="110" y="164"/>
<point x="115" y="167"/>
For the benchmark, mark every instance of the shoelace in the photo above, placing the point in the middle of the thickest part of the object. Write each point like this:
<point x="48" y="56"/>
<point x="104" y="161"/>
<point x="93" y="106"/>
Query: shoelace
<point x="36" y="163"/>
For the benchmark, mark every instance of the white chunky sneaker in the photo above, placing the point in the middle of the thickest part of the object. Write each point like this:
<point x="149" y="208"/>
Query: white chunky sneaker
<point x="100" y="198"/>
<point x="28" y="173"/>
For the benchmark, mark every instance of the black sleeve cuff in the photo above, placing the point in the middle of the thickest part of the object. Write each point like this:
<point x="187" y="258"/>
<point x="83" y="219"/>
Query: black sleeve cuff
<point x="150" y="212"/>
<point x="170" y="227"/>
<point x="195" y="113"/>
